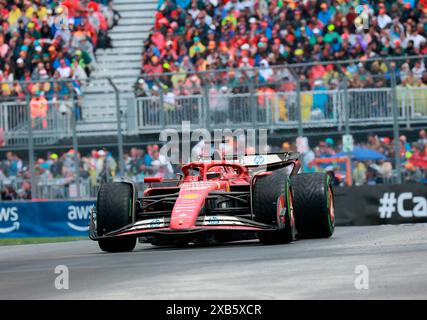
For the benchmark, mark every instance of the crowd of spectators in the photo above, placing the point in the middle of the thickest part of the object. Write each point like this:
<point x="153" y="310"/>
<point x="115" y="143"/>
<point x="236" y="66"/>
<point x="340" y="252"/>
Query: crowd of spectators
<point x="51" y="43"/>
<point x="60" y="170"/>
<point x="100" y="165"/>
<point x="193" y="35"/>
<point x="413" y="157"/>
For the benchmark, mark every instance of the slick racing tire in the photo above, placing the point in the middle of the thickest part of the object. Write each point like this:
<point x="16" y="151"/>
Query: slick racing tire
<point x="114" y="211"/>
<point x="313" y="205"/>
<point x="271" y="195"/>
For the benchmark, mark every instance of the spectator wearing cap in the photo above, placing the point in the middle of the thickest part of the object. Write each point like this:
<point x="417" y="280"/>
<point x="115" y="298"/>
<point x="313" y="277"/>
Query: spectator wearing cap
<point x="266" y="73"/>
<point x="78" y="71"/>
<point x="64" y="70"/>
<point x="155" y="67"/>
<point x="55" y="165"/>
<point x="141" y="88"/>
<point x="197" y="47"/>
<point x="320" y="100"/>
<point x="324" y="15"/>
<point x="20" y="69"/>
<point x="84" y="60"/>
<point x="333" y="37"/>
<point x="170" y="54"/>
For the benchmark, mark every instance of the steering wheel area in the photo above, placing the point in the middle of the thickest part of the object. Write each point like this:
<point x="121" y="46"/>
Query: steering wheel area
<point x="222" y="172"/>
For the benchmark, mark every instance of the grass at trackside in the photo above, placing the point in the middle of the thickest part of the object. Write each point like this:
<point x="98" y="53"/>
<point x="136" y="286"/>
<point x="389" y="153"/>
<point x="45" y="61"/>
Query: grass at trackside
<point x="14" y="241"/>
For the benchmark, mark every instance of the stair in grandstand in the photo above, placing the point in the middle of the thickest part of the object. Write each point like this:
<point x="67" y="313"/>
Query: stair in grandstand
<point x="122" y="63"/>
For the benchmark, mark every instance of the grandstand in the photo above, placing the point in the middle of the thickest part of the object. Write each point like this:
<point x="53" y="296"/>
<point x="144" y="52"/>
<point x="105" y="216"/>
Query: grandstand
<point x="292" y="67"/>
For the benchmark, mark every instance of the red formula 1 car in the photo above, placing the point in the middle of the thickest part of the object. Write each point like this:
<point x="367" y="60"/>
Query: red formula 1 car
<point x="257" y="196"/>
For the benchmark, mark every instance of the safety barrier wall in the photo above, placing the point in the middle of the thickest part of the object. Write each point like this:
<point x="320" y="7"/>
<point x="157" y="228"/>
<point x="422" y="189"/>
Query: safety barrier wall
<point x="44" y="218"/>
<point x="381" y="204"/>
<point x="367" y="205"/>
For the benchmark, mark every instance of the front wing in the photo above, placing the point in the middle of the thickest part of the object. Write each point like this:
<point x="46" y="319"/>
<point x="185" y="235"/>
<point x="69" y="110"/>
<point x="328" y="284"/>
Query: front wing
<point x="160" y="226"/>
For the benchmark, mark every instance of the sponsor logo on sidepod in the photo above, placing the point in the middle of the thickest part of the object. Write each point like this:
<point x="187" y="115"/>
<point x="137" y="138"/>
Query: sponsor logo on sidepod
<point x="78" y="217"/>
<point x="9" y="216"/>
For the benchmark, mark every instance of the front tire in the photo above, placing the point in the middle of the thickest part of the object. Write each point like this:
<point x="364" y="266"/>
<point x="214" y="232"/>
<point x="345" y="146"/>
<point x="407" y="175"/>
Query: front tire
<point x="314" y="205"/>
<point x="114" y="211"/>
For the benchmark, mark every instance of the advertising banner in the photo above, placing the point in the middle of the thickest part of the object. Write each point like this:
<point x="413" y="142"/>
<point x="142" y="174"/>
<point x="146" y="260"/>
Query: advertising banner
<point x="364" y="205"/>
<point x="381" y="204"/>
<point x="44" y="218"/>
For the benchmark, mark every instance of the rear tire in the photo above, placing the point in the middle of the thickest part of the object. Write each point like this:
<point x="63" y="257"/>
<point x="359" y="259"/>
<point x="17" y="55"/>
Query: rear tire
<point x="314" y="205"/>
<point x="114" y="211"/>
<point x="267" y="191"/>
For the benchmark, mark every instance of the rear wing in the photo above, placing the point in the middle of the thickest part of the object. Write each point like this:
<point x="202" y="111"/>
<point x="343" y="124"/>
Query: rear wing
<point x="269" y="160"/>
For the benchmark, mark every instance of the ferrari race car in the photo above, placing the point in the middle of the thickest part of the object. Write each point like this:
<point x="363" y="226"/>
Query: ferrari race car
<point x="256" y="196"/>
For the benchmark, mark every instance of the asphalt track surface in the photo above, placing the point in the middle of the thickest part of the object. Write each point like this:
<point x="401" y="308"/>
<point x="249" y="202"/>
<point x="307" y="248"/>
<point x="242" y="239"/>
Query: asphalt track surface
<point x="396" y="258"/>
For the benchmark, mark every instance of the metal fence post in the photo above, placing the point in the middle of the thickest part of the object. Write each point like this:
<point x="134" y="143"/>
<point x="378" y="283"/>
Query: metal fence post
<point x="408" y="108"/>
<point x="299" y="113"/>
<point x="392" y="68"/>
<point x="346" y="106"/>
<point x="162" y="117"/>
<point x="132" y="116"/>
<point x="254" y="107"/>
<point x="206" y="107"/>
<point x="75" y="144"/>
<point x="298" y="102"/>
<point x="31" y="164"/>
<point x="119" y="127"/>
<point x="252" y="97"/>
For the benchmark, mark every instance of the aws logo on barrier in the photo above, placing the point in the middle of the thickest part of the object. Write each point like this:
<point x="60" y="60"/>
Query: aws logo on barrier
<point x="9" y="219"/>
<point x="78" y="217"/>
<point x="390" y="204"/>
